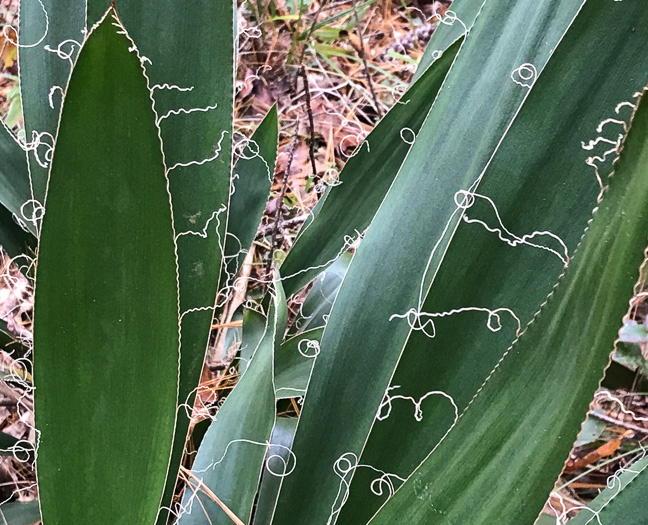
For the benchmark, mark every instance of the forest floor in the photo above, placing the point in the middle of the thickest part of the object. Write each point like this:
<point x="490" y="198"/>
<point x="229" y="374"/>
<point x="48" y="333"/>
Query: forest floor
<point x="357" y="63"/>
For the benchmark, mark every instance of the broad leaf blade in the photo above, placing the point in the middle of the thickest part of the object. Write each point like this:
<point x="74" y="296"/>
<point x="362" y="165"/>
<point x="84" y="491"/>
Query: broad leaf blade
<point x="232" y="453"/>
<point x="556" y="364"/>
<point x="105" y="360"/>
<point x="461" y="133"/>
<point x="365" y="179"/>
<point x="542" y="155"/>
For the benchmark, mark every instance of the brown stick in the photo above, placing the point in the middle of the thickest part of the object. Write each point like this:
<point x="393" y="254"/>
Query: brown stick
<point x="282" y="193"/>
<point x="363" y="56"/>
<point x="212" y="496"/>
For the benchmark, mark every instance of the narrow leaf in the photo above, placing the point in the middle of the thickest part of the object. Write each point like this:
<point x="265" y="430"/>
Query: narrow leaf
<point x="51" y="34"/>
<point x="316" y="308"/>
<point x="456" y="22"/>
<point x="14" y="176"/>
<point x="251" y="181"/>
<point x="278" y="461"/>
<point x="20" y="513"/>
<point x="294" y="363"/>
<point x="350" y="206"/>
<point x="231" y="456"/>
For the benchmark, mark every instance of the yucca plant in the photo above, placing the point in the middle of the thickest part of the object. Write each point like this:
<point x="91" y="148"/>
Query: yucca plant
<point x="446" y="375"/>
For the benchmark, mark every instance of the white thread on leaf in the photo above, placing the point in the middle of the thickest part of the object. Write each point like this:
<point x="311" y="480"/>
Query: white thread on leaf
<point x="35" y="44"/>
<point x="344" y="467"/>
<point x="53" y="90"/>
<point x="185" y="111"/>
<point x="412" y="139"/>
<point x="422" y="321"/>
<point x="418" y="411"/>
<point x="311" y="350"/>
<point x="203" y="161"/>
<point x="466" y="200"/>
<point x="171" y="87"/>
<point x="65" y="55"/>
<point x="524" y="75"/>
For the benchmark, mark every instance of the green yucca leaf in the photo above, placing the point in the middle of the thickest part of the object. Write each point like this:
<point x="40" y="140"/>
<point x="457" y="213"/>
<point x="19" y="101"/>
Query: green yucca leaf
<point x="254" y="328"/>
<point x="14" y="191"/>
<point x="14" y="175"/>
<point x="106" y="362"/>
<point x="282" y="438"/>
<point x="194" y="107"/>
<point x="316" y="308"/>
<point x="294" y="361"/>
<point x="231" y="455"/>
<point x="20" y="513"/>
<point x="448" y="31"/>
<point x="556" y="364"/>
<point x="252" y="178"/>
<point x="360" y="346"/>
<point x="51" y="33"/>
<point x="365" y="180"/>
<point x="13" y="239"/>
<point x="623" y="501"/>
<point x="542" y="155"/>
<point x="190" y="59"/>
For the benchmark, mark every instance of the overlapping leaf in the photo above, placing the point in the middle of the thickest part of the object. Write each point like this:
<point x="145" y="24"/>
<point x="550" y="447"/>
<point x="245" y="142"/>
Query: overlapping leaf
<point x="556" y="363"/>
<point x="538" y="182"/>
<point x="360" y="346"/>
<point x="365" y="179"/>
<point x="231" y="456"/>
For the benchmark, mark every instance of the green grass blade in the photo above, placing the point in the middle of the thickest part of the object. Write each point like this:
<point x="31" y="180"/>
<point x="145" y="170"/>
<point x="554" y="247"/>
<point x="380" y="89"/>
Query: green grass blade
<point x="105" y="360"/>
<point x="14" y="192"/>
<point x="360" y="347"/>
<point x="253" y="330"/>
<point x="231" y="455"/>
<point x="366" y="178"/>
<point x="51" y="33"/>
<point x="623" y="501"/>
<point x="578" y="89"/>
<point x="252" y="178"/>
<point x="528" y="412"/>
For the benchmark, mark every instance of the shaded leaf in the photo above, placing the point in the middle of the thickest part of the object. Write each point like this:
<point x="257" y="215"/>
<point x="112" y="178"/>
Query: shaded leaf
<point x="556" y="364"/>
